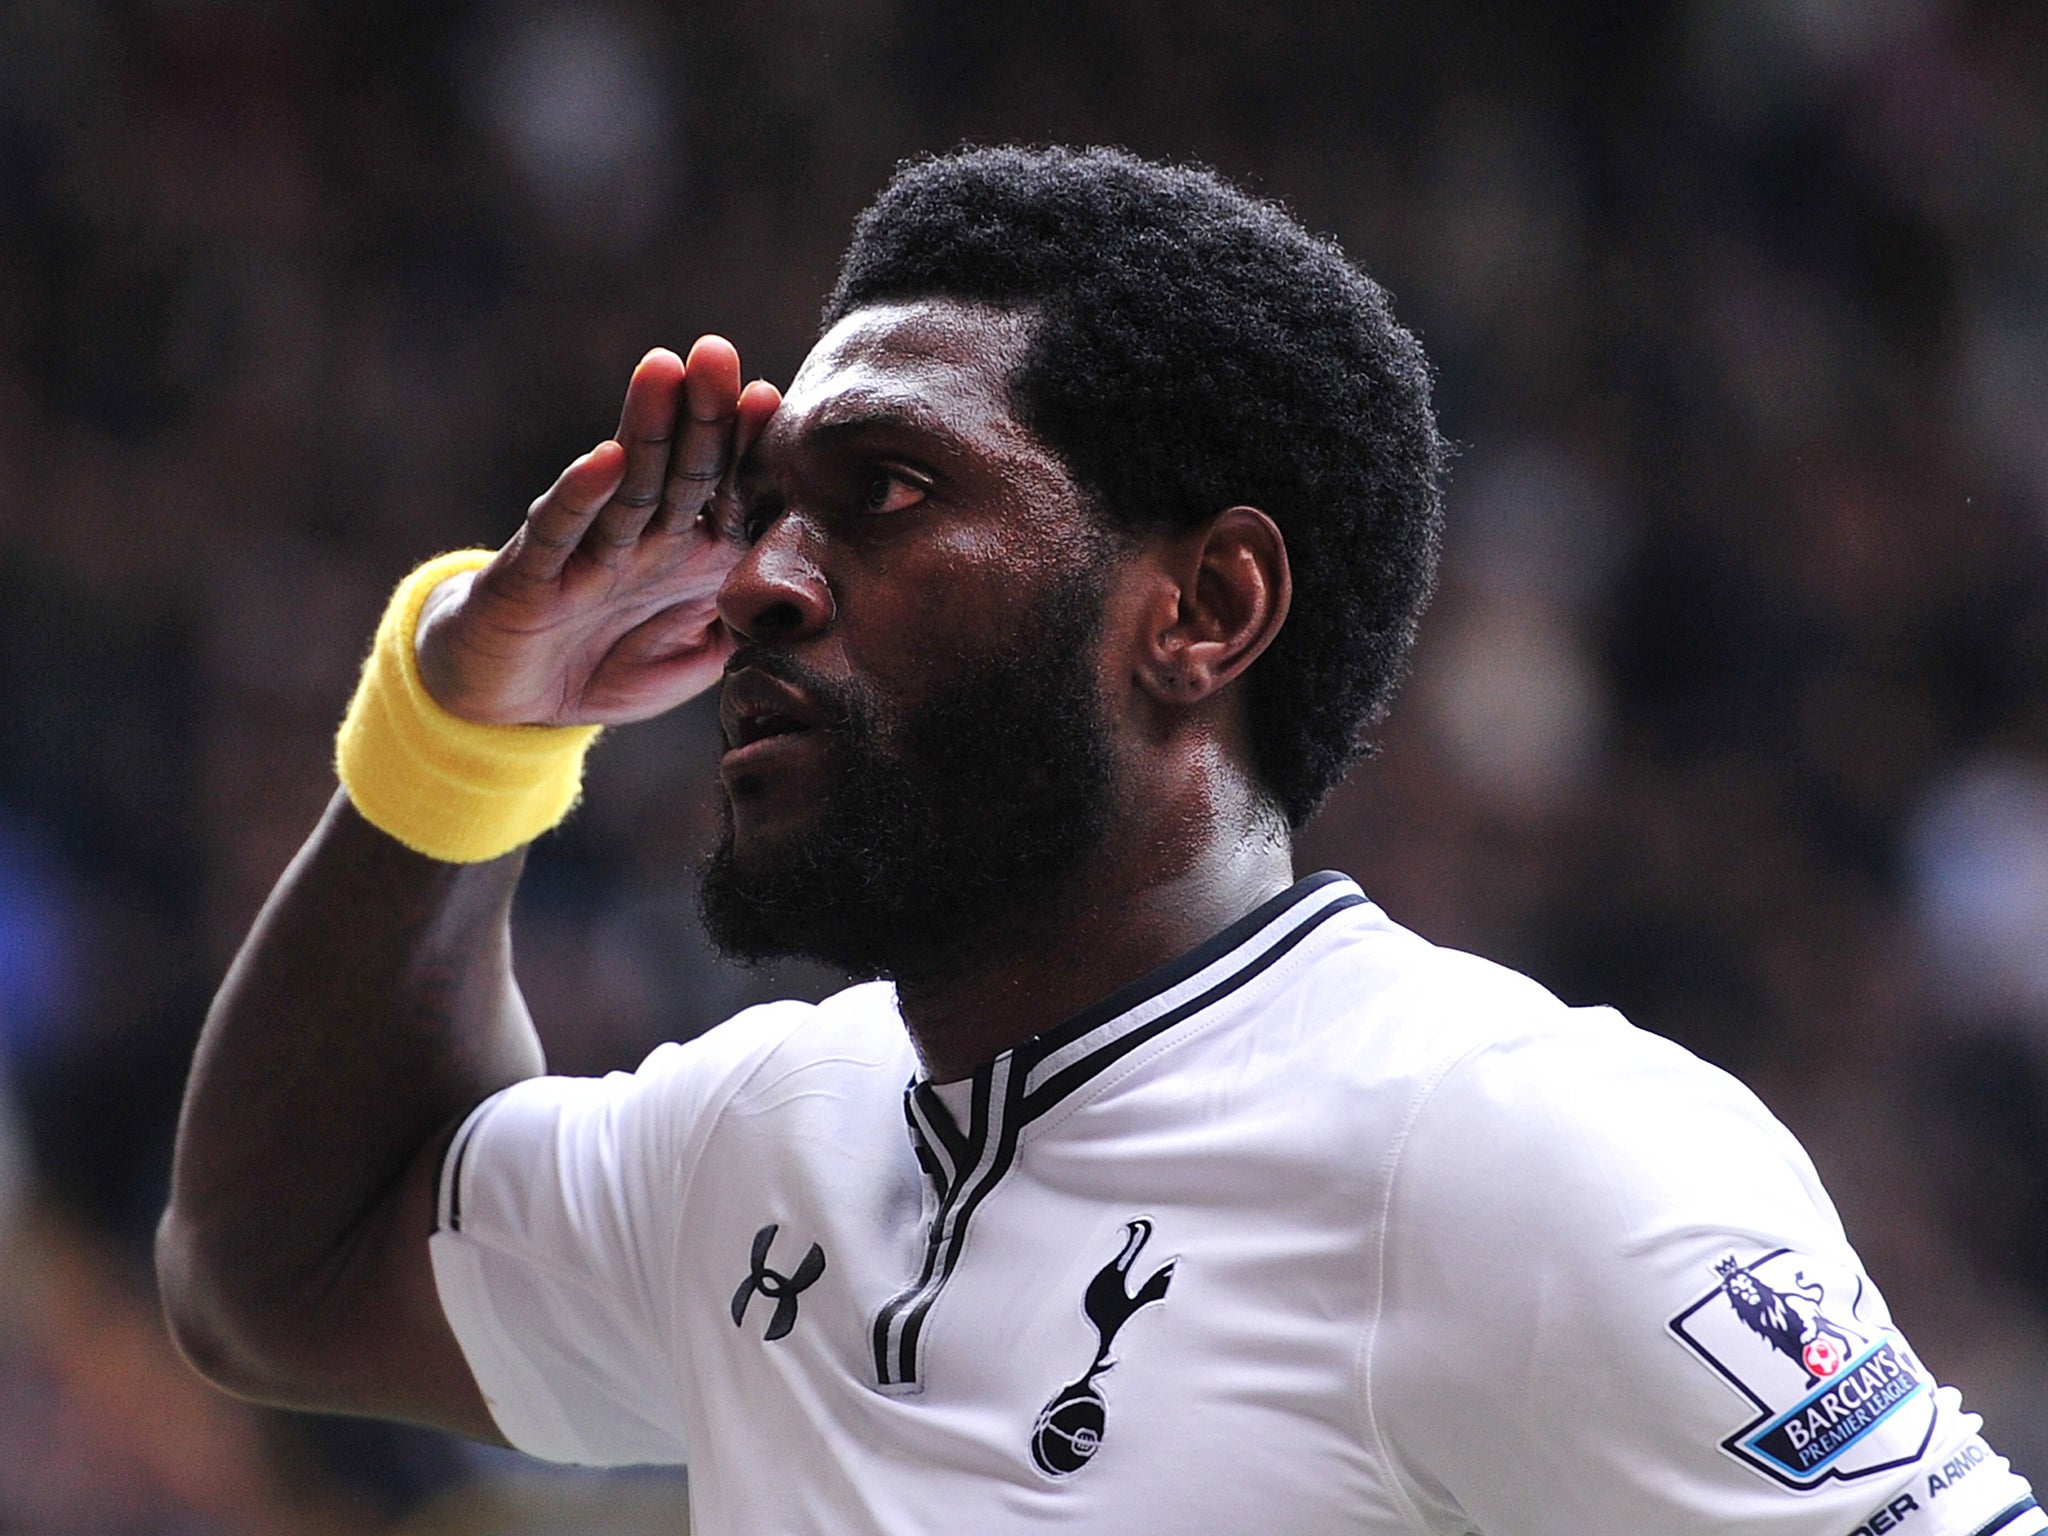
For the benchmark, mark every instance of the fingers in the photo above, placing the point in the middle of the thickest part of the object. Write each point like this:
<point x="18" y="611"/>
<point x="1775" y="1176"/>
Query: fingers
<point x="557" y="522"/>
<point x="758" y="401"/>
<point x="682" y="428"/>
<point x="647" y="424"/>
<point x="711" y="391"/>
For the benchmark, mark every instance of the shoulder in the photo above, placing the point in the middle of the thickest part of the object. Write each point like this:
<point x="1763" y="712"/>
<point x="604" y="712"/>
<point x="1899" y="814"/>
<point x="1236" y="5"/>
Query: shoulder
<point x="1588" y="1129"/>
<point x="1376" y="1005"/>
<point x="1491" y="1107"/>
<point x="861" y="1019"/>
<point x="673" y="1099"/>
<point x="1481" y="1046"/>
<point x="853" y="1033"/>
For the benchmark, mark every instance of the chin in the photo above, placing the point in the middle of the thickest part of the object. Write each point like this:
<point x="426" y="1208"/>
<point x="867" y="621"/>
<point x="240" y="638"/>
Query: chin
<point x="757" y="893"/>
<point x="758" y="848"/>
<point x="755" y="818"/>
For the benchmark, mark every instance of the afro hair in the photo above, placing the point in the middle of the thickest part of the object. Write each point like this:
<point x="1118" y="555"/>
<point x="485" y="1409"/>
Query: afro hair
<point x="1251" y="362"/>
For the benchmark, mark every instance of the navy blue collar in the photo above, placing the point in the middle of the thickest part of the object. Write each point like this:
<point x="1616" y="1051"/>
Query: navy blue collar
<point x="964" y="1163"/>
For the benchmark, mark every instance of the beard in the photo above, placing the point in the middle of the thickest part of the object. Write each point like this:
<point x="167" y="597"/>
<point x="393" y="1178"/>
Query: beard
<point x="947" y="834"/>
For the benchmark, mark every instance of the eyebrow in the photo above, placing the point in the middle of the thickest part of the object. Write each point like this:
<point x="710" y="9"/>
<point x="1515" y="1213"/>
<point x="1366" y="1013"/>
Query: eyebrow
<point x="892" y="415"/>
<point x="861" y="416"/>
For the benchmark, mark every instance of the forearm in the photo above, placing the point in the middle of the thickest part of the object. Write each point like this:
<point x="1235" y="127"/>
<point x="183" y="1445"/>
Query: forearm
<point x="373" y="1004"/>
<point x="371" y="1007"/>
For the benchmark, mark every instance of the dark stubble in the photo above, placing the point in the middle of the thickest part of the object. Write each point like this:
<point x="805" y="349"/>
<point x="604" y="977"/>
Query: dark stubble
<point x="948" y="835"/>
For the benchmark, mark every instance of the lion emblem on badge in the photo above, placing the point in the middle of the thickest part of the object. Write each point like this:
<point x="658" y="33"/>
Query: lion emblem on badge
<point x="1790" y="1321"/>
<point x="1835" y="1394"/>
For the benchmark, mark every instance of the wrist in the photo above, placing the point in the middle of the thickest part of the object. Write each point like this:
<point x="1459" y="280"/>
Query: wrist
<point x="449" y="788"/>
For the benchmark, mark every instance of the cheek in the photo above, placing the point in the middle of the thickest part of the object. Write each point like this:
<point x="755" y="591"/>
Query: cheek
<point x="913" y="621"/>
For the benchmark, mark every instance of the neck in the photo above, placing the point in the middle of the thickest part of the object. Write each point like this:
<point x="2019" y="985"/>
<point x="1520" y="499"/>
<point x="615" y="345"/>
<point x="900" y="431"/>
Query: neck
<point x="1132" y="908"/>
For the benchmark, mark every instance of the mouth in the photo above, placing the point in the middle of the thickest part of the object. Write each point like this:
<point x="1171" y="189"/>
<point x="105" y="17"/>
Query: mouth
<point x="756" y="711"/>
<point x="750" y="728"/>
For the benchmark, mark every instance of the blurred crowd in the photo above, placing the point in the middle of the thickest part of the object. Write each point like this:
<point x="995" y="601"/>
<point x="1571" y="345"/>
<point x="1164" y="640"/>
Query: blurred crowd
<point x="1733" y="709"/>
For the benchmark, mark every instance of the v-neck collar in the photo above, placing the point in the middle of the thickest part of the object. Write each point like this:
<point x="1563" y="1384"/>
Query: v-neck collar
<point x="965" y="1162"/>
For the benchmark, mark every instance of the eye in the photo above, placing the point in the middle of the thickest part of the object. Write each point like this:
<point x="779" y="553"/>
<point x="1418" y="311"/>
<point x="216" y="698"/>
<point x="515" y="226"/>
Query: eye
<point x="758" y="515"/>
<point x="892" y="490"/>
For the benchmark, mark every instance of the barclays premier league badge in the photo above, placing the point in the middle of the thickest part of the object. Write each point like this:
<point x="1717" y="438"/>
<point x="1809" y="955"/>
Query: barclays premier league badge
<point x="1837" y="1395"/>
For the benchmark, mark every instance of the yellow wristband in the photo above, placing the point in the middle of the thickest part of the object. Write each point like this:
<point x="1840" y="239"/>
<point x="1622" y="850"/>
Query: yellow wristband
<point x="446" y="787"/>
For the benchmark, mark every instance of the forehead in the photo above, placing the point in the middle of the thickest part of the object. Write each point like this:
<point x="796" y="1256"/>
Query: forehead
<point x="936" y="364"/>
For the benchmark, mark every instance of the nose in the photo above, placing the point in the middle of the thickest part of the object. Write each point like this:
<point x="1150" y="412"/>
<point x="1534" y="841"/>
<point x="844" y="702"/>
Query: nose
<point x="777" y="592"/>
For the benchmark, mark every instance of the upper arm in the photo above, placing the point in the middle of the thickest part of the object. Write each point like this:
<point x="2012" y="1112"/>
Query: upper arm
<point x="371" y="1338"/>
<point x="556" y="1231"/>
<point x="1610" y="1277"/>
<point x="512" y="1284"/>
<point x="371" y="1006"/>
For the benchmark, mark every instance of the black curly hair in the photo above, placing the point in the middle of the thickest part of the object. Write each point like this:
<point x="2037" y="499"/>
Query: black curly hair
<point x="1251" y="363"/>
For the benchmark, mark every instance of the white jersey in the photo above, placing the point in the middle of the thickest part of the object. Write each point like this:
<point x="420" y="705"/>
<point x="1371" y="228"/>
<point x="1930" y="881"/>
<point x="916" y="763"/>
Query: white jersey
<point x="1318" y="1229"/>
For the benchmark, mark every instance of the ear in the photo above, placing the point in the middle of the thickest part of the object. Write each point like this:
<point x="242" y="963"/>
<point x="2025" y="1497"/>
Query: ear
<point x="1227" y="591"/>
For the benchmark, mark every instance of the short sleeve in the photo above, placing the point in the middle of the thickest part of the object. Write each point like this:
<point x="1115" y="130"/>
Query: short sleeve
<point x="1617" y="1300"/>
<point x="561" y="1204"/>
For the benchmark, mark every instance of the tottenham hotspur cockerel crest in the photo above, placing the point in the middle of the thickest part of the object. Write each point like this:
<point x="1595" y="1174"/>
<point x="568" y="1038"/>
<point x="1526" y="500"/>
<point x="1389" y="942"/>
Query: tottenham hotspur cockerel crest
<point x="1834" y="1390"/>
<point x="1070" y="1427"/>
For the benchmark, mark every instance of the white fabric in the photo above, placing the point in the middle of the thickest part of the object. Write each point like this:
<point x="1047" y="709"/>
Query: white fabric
<point x="1439" y="1255"/>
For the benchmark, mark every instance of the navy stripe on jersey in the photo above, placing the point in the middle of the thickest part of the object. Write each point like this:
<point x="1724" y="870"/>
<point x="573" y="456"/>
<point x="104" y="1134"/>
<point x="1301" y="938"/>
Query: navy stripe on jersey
<point x="949" y="1233"/>
<point x="1023" y="1084"/>
<point x="1044" y="1095"/>
<point x="2005" y="1517"/>
<point x="990" y="1144"/>
<point x="934" y="1152"/>
<point x="448" y="1215"/>
<point x="933" y="1119"/>
<point x="1170" y="975"/>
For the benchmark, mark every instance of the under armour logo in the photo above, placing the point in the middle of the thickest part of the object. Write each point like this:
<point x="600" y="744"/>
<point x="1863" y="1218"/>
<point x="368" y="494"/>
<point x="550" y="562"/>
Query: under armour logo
<point x="1070" y="1427"/>
<point x="782" y="1289"/>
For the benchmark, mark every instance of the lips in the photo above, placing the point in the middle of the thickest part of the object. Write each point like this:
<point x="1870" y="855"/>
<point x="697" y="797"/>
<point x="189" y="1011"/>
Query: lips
<point x="748" y="729"/>
<point x="754" y="707"/>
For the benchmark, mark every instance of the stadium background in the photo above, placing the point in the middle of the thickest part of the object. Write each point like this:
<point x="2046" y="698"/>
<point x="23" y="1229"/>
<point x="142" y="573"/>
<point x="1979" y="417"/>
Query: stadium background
<point x="1733" y="709"/>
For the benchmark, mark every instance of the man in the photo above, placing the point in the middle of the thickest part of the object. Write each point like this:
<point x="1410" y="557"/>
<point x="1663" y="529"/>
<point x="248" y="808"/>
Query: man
<point x="1146" y="1188"/>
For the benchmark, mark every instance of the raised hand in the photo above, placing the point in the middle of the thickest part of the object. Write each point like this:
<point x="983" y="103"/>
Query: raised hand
<point x="602" y="607"/>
